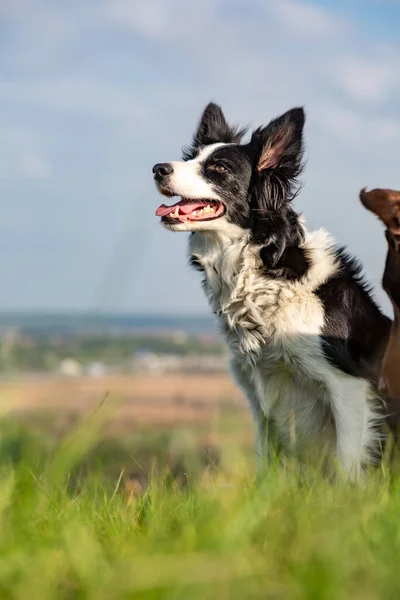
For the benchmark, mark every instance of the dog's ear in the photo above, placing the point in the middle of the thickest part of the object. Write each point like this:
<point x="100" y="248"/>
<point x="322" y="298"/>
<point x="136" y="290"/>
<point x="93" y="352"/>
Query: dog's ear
<point x="213" y="128"/>
<point x="277" y="150"/>
<point x="280" y="144"/>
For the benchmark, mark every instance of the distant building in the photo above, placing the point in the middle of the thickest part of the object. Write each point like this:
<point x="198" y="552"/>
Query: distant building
<point x="69" y="367"/>
<point x="147" y="362"/>
<point x="96" y="369"/>
<point x="204" y="363"/>
<point x="158" y="364"/>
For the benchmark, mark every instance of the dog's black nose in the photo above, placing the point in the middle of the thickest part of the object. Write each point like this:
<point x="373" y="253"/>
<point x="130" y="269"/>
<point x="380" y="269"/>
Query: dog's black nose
<point x="161" y="170"/>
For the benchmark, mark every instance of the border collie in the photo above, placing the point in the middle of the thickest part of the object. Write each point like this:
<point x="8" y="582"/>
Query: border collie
<point x="306" y="338"/>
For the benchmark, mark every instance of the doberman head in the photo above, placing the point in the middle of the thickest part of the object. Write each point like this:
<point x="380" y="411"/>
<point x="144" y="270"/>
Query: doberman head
<point x="385" y="204"/>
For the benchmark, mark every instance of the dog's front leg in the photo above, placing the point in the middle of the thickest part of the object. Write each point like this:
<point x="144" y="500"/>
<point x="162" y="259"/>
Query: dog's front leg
<point x="354" y="429"/>
<point x="267" y="445"/>
<point x="260" y="423"/>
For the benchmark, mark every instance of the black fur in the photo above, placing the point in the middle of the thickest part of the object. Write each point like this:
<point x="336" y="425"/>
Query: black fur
<point x="292" y="265"/>
<point x="354" y="325"/>
<point x="233" y="185"/>
<point x="212" y="129"/>
<point x="193" y="262"/>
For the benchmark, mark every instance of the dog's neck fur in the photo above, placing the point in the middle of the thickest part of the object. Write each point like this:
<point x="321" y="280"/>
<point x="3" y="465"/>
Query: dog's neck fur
<point x="241" y="292"/>
<point x="229" y="267"/>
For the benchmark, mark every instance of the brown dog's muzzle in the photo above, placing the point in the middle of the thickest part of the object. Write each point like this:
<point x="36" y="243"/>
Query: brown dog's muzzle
<point x="385" y="204"/>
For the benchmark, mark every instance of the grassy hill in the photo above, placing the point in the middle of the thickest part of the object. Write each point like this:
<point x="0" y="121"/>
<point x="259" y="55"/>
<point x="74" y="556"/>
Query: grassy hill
<point x="76" y="524"/>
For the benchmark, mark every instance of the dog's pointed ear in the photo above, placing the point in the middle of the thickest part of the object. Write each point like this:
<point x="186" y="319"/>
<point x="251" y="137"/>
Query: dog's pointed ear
<point x="213" y="128"/>
<point x="280" y="144"/>
<point x="277" y="151"/>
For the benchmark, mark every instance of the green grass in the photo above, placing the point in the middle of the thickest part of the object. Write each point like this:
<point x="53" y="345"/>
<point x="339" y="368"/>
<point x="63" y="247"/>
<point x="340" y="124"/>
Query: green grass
<point x="70" y="530"/>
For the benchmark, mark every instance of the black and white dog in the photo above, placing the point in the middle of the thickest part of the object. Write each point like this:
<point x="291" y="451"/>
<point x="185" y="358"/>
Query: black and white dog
<point x="305" y="335"/>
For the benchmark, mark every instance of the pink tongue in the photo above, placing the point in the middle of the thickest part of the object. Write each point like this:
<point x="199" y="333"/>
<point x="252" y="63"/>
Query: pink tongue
<point x="184" y="207"/>
<point x="163" y="211"/>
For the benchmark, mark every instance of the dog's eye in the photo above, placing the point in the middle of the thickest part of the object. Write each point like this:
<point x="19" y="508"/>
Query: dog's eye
<point x="220" y="167"/>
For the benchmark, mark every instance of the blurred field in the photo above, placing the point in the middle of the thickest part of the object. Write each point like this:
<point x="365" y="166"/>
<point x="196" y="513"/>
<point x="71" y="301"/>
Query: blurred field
<point x="31" y="393"/>
<point x="133" y="402"/>
<point x="150" y="493"/>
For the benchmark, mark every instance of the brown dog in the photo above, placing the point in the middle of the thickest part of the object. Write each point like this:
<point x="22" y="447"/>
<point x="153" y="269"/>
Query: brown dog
<point x="385" y="204"/>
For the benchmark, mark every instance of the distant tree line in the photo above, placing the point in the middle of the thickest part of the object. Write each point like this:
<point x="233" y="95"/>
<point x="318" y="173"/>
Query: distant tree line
<point x="44" y="353"/>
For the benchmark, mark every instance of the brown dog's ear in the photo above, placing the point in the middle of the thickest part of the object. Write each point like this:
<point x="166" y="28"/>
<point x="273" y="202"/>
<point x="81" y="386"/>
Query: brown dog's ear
<point x="281" y="141"/>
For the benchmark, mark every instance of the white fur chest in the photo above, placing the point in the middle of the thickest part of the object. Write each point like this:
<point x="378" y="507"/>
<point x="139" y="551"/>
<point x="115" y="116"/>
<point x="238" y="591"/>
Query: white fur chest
<point x="263" y="319"/>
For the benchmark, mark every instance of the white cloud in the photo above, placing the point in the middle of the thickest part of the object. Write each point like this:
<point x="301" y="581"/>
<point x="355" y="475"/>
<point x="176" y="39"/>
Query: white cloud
<point x="15" y="8"/>
<point x="366" y="80"/>
<point x="33" y="165"/>
<point x="151" y="17"/>
<point x="370" y="133"/>
<point x="307" y="19"/>
<point x="21" y="156"/>
<point x="36" y="17"/>
<point x="74" y="94"/>
<point x="166" y="19"/>
<point x="4" y="169"/>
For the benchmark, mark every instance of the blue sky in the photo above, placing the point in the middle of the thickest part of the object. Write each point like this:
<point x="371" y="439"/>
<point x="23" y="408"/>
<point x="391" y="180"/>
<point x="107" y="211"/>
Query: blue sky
<point x="93" y="93"/>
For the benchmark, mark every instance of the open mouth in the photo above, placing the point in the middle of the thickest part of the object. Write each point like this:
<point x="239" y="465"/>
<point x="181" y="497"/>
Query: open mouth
<point x="191" y="210"/>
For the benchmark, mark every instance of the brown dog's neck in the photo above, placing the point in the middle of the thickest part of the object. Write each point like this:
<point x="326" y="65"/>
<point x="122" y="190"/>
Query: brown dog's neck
<point x="393" y="239"/>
